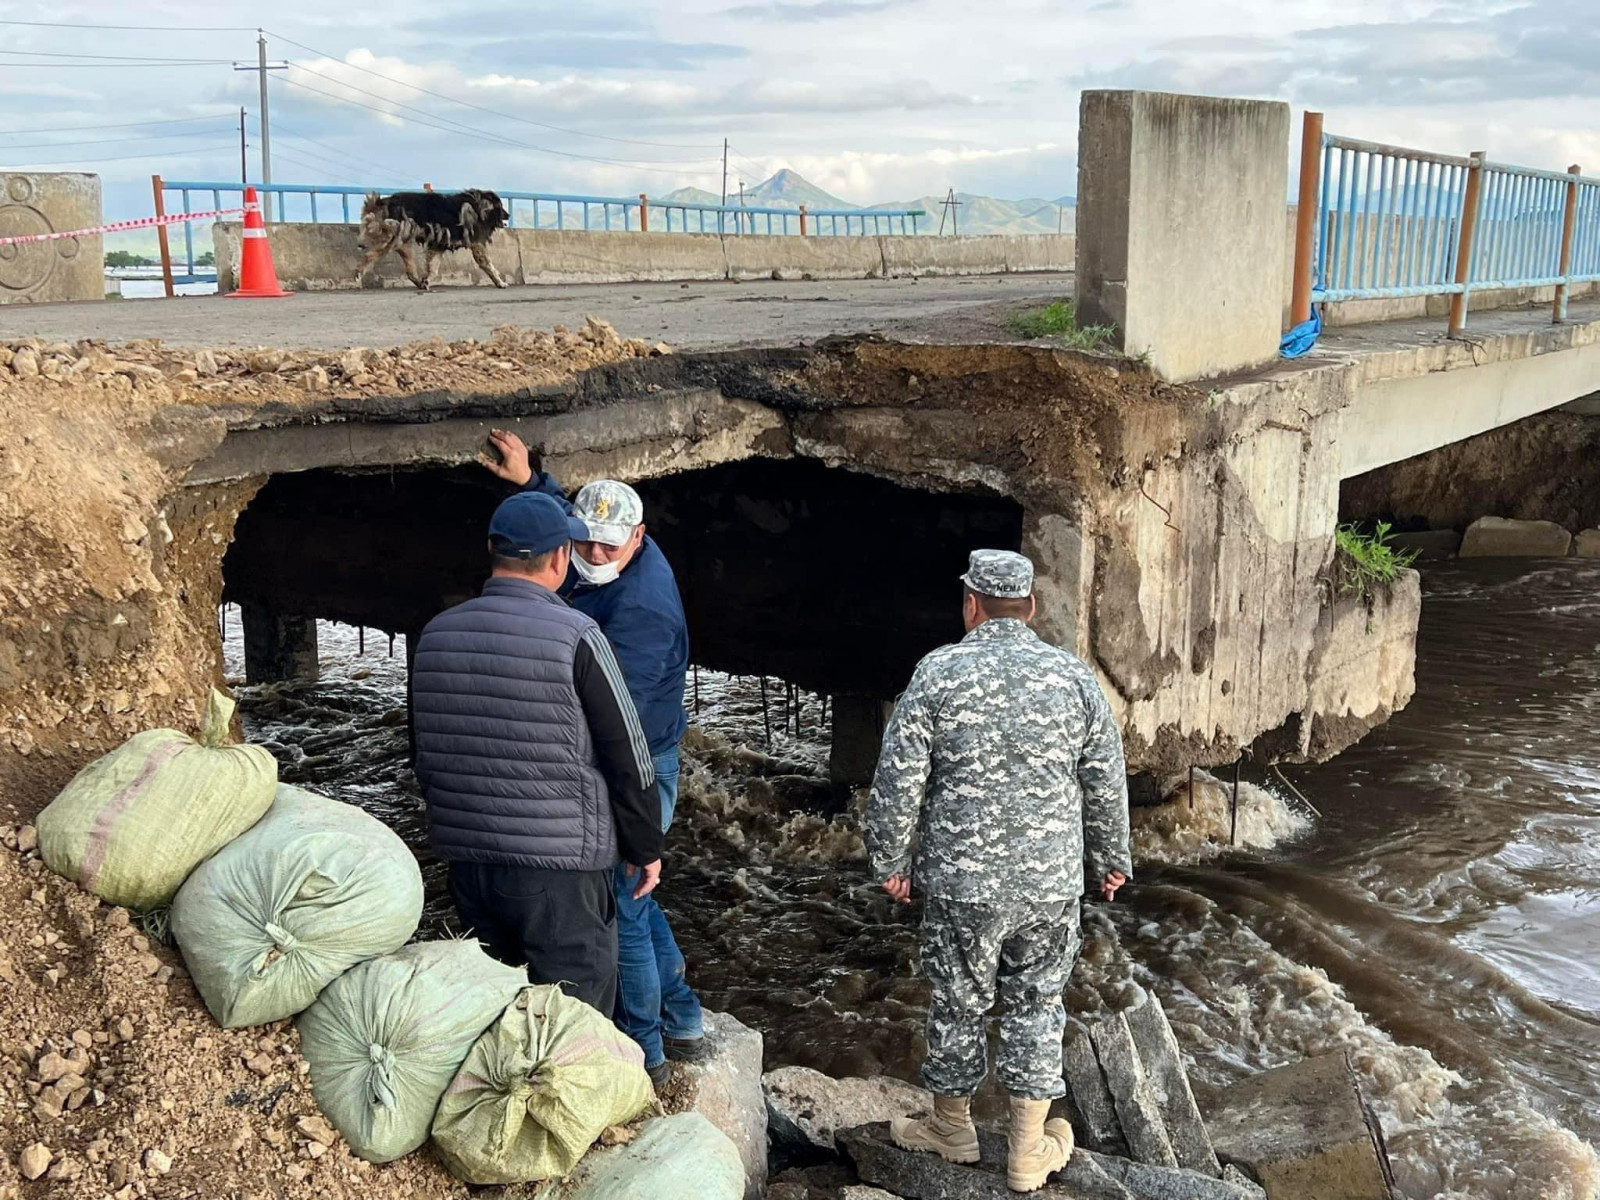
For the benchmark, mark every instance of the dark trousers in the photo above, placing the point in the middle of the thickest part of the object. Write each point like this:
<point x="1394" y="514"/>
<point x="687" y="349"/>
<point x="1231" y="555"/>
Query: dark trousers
<point x="561" y="924"/>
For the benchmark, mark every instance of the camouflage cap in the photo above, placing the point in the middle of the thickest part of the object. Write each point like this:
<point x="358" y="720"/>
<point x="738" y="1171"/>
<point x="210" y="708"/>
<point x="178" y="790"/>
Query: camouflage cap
<point x="1003" y="574"/>
<point x="610" y="509"/>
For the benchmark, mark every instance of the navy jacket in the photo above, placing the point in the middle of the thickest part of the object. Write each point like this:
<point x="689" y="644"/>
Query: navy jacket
<point x="641" y="613"/>
<point x="528" y="749"/>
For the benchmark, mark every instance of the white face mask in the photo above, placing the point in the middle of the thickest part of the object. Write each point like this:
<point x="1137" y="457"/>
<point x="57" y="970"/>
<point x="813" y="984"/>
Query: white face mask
<point x="598" y="576"/>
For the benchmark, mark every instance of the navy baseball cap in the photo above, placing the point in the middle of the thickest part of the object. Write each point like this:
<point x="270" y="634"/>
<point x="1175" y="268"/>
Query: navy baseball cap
<point x="530" y="524"/>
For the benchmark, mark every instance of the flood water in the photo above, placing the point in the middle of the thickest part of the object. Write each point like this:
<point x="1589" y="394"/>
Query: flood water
<point x="1436" y="920"/>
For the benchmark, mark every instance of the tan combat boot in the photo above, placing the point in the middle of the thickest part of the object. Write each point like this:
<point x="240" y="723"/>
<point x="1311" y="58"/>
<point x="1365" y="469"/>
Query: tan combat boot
<point x="949" y="1133"/>
<point x="1038" y="1147"/>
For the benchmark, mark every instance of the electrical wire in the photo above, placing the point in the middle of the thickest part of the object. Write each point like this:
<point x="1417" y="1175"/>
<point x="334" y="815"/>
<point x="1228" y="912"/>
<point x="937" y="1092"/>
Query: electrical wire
<point x="123" y="125"/>
<point x="91" y="159"/>
<point x="155" y="137"/>
<point x="341" y="155"/>
<point x="143" y="28"/>
<point x="153" y="60"/>
<point x="100" y="66"/>
<point x="458" y="129"/>
<point x="493" y="111"/>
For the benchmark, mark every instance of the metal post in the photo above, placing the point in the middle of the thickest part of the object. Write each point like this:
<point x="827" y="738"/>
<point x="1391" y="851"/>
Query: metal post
<point x="802" y="222"/>
<point x="266" y="126"/>
<point x="361" y="639"/>
<point x="644" y="213"/>
<point x="1305" y="224"/>
<point x="244" y="171"/>
<point x="697" y="689"/>
<point x="766" y="713"/>
<point x="722" y="215"/>
<point x="391" y="645"/>
<point x="1469" y="227"/>
<point x="1233" y="831"/>
<point x="161" y="235"/>
<point x="1569" y="224"/>
<point x="1191" y="787"/>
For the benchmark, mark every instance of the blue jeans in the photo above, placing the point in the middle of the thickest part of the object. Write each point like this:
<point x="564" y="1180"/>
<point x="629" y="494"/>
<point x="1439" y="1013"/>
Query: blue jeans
<point x="653" y="998"/>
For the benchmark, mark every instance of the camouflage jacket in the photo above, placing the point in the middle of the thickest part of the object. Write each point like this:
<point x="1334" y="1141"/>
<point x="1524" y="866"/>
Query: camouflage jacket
<point x="1003" y="757"/>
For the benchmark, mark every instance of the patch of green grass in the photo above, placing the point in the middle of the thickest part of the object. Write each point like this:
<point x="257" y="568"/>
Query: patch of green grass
<point x="1366" y="561"/>
<point x="156" y="924"/>
<point x="1058" y="320"/>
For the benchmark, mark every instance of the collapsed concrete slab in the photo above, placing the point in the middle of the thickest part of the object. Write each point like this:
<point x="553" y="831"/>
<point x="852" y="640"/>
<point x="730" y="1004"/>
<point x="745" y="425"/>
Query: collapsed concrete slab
<point x="1138" y="1112"/>
<point x="726" y="1089"/>
<point x="1163" y="1068"/>
<point x="1498" y="537"/>
<point x="1088" y="1102"/>
<point x="806" y="1108"/>
<point x="1304" y="1131"/>
<point x="1587" y="544"/>
<point x="682" y="1157"/>
<point x="1088" y="1176"/>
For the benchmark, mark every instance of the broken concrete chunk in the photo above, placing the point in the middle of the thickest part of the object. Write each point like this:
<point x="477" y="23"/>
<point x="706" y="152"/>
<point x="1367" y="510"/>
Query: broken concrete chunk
<point x="805" y="1108"/>
<point x="725" y="1088"/>
<point x="1497" y="537"/>
<point x="1587" y="544"/>
<point x="1089" y="1176"/>
<point x="1088" y="1102"/>
<point x="1303" y="1130"/>
<point x="1163" y="1067"/>
<point x="1131" y="1093"/>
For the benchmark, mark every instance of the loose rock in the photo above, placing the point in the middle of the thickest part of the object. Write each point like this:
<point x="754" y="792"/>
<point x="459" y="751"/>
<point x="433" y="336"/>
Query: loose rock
<point x="35" y="1160"/>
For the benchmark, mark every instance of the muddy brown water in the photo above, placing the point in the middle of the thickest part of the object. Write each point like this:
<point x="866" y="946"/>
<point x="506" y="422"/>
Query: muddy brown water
<point x="1437" y="921"/>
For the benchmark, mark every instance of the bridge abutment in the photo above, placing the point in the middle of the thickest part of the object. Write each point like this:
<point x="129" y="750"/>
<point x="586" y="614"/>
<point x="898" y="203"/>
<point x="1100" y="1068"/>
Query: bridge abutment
<point x="278" y="646"/>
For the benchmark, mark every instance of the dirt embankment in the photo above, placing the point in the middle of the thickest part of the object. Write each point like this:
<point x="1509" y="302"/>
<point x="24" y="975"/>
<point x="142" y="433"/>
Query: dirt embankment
<point x="1542" y="468"/>
<point x="110" y="575"/>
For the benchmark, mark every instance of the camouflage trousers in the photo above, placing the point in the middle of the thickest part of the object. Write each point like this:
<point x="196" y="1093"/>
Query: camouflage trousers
<point x="1025" y="952"/>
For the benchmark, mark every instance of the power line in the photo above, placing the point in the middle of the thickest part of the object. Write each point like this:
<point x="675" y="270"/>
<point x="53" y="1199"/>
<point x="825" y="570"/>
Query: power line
<point x="342" y="155"/>
<point x="489" y="133"/>
<point x="156" y="137"/>
<point x="162" y="60"/>
<point x="199" y="62"/>
<point x="492" y="111"/>
<point x="123" y="125"/>
<point x="457" y="128"/>
<point x="146" y="28"/>
<point x="230" y="146"/>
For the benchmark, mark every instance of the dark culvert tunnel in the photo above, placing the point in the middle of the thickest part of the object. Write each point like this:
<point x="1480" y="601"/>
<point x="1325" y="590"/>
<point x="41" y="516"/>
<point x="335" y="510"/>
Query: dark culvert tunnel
<point x="829" y="579"/>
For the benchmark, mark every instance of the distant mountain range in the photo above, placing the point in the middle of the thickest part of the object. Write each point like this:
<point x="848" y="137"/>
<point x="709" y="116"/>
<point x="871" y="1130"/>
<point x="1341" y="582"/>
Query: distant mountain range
<point x="973" y="214"/>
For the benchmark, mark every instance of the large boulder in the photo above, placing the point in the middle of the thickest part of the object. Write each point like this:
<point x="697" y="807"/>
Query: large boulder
<point x="725" y="1088"/>
<point x="1303" y="1130"/>
<point x="682" y="1157"/>
<point x="805" y="1108"/>
<point x="1089" y="1176"/>
<point x="1498" y="537"/>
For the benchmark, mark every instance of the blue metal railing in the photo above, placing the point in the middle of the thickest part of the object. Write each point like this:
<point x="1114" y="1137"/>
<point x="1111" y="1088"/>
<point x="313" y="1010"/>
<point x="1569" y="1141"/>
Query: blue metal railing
<point x="1395" y="222"/>
<point x="298" y="203"/>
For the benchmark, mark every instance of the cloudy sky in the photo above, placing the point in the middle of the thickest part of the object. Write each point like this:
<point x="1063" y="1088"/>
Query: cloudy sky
<point x="874" y="100"/>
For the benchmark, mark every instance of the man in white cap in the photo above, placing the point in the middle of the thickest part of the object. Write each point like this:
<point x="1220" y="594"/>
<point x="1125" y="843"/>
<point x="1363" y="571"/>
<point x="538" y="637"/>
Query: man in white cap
<point x="1003" y="757"/>
<point x="624" y="583"/>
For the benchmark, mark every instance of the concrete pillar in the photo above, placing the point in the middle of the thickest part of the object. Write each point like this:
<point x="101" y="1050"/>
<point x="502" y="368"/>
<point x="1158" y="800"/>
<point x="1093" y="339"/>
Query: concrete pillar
<point x="1181" y="208"/>
<point x="1063" y="568"/>
<point x="858" y="724"/>
<point x="278" y="647"/>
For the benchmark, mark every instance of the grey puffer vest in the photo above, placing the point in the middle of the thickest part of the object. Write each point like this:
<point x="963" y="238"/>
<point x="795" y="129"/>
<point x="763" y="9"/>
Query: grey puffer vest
<point x="503" y="749"/>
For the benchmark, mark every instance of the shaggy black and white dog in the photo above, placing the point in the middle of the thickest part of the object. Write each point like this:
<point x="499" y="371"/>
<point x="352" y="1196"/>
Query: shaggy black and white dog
<point x="433" y="222"/>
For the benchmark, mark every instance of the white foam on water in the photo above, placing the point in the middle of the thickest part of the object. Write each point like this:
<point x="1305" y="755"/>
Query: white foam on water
<point x="1177" y="832"/>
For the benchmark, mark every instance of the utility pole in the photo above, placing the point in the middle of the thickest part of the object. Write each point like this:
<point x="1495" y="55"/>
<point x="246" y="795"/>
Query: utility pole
<point x="722" y="215"/>
<point x="949" y="204"/>
<point x="262" y="67"/>
<point x="741" y="205"/>
<point x="244" y="172"/>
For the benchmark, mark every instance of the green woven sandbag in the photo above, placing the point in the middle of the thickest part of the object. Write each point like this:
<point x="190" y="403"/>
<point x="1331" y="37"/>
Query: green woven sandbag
<point x="312" y="889"/>
<point x="537" y="1089"/>
<point x="385" y="1039"/>
<point x="132" y="824"/>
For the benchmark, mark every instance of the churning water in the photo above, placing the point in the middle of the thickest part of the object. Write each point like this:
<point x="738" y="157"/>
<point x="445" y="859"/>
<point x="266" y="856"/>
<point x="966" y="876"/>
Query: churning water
<point x="1436" y="920"/>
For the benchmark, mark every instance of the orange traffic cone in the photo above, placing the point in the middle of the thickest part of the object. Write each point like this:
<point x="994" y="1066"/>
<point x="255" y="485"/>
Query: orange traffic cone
<point x="257" y="275"/>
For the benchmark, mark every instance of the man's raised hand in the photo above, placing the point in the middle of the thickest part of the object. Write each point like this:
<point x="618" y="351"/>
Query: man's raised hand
<point x="513" y="465"/>
<point x="899" y="887"/>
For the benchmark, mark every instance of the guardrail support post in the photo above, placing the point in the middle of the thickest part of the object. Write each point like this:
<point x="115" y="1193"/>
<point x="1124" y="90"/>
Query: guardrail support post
<point x="802" y="220"/>
<point x="1305" y="223"/>
<point x="1469" y="227"/>
<point x="644" y="213"/>
<point x="1569" y="222"/>
<point x="161" y="235"/>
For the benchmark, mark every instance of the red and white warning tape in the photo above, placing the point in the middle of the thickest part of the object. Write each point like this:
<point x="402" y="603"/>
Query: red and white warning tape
<point x="120" y="226"/>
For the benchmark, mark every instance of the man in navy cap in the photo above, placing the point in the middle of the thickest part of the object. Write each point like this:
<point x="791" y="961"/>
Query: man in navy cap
<point x="623" y="580"/>
<point x="535" y="769"/>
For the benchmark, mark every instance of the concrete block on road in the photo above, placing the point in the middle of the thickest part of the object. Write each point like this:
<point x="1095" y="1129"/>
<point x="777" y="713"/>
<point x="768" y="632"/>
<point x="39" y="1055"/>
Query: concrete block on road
<point x="1303" y="1131"/>
<point x="1163" y="1067"/>
<point x="1138" y="1112"/>
<point x="34" y="202"/>
<point x="1498" y="537"/>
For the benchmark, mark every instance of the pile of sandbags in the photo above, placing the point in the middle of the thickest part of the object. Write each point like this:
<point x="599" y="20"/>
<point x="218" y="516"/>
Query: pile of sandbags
<point x="385" y="1039"/>
<point x="537" y="1090"/>
<point x="312" y="889"/>
<point x="131" y="825"/>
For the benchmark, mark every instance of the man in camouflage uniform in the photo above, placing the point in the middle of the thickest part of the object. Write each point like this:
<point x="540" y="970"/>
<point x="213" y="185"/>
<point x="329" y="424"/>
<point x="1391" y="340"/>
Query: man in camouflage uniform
<point x="1003" y="758"/>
